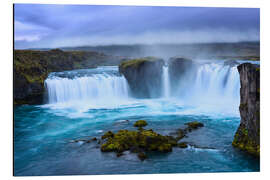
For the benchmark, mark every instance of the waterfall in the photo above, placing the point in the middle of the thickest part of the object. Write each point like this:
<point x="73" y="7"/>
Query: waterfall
<point x="214" y="83"/>
<point x="218" y="81"/>
<point x="166" y="82"/>
<point x="210" y="83"/>
<point x="102" y="87"/>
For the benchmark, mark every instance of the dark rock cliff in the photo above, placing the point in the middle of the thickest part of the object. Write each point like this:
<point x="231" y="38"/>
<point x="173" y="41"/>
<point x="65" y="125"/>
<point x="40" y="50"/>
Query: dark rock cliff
<point x="144" y="76"/>
<point x="247" y="136"/>
<point x="31" y="68"/>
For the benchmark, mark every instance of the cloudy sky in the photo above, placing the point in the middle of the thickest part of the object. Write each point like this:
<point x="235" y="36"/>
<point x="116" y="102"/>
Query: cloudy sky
<point x="50" y="26"/>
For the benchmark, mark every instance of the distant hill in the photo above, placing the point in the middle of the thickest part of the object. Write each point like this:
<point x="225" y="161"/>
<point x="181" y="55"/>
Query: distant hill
<point x="243" y="50"/>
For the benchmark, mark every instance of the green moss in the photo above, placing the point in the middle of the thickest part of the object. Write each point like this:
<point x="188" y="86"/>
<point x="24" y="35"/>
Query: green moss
<point x="165" y="147"/>
<point x="140" y="123"/>
<point x="137" y="62"/>
<point x="137" y="141"/>
<point x="108" y="134"/>
<point x="182" y="145"/>
<point x="132" y="63"/>
<point x="194" y="125"/>
<point x="142" y="140"/>
<point x="244" y="142"/>
<point x="245" y="132"/>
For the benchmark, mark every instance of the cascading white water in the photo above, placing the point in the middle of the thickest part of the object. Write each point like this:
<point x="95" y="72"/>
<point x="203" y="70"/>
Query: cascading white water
<point x="214" y="84"/>
<point x="94" y="87"/>
<point x="216" y="80"/>
<point x="166" y="82"/>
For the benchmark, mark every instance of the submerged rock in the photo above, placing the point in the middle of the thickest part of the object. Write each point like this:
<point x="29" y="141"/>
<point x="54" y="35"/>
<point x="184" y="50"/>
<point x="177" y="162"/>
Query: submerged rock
<point x="182" y="145"/>
<point x="194" y="125"/>
<point x="140" y="123"/>
<point x="82" y="141"/>
<point x="144" y="76"/>
<point x="247" y="136"/>
<point x="142" y="156"/>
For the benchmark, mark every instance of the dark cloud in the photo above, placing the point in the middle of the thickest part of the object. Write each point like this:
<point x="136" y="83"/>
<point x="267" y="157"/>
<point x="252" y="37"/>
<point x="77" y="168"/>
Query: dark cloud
<point x="38" y="25"/>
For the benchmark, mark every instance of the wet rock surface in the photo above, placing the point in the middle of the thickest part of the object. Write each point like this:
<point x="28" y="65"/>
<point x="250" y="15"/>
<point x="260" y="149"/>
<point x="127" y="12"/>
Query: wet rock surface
<point x="247" y="136"/>
<point x="142" y="140"/>
<point x="144" y="76"/>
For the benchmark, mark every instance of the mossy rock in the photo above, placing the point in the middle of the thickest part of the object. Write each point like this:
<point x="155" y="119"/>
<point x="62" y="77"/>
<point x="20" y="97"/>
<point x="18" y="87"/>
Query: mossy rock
<point x="140" y="123"/>
<point x="108" y="134"/>
<point x="165" y="148"/>
<point x="244" y="142"/>
<point x="182" y="145"/>
<point x="141" y="141"/>
<point x="137" y="141"/>
<point x="194" y="125"/>
<point x="135" y="63"/>
<point x="180" y="133"/>
<point x="142" y="156"/>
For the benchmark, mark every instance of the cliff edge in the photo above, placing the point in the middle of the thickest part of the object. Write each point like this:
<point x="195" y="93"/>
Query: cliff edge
<point x="144" y="76"/>
<point x="247" y="136"/>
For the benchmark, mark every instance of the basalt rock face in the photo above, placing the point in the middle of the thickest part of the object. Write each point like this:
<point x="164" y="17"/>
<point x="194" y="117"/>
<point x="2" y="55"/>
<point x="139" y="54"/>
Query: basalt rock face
<point x="247" y="136"/>
<point x="31" y="68"/>
<point x="181" y="72"/>
<point x="144" y="76"/>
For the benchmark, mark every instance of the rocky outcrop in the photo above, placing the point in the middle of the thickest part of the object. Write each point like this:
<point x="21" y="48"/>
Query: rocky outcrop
<point x="31" y="68"/>
<point x="144" y="76"/>
<point x="247" y="136"/>
<point x="181" y="71"/>
<point x="143" y="141"/>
